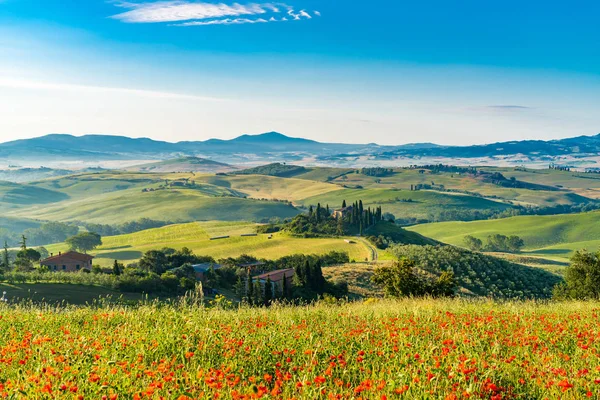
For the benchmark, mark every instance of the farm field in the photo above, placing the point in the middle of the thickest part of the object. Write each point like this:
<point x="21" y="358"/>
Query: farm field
<point x="406" y="203"/>
<point x="550" y="236"/>
<point x="384" y="349"/>
<point x="196" y="236"/>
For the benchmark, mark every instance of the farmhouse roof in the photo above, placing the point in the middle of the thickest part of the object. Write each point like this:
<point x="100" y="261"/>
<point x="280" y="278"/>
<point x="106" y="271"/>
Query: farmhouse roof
<point x="277" y="275"/>
<point x="205" y="267"/>
<point x="69" y="255"/>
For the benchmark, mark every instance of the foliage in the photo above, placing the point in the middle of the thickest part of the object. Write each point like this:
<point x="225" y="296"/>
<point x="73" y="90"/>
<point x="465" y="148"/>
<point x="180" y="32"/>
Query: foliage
<point x="275" y="169"/>
<point x="480" y="274"/>
<point x="402" y="279"/>
<point x="582" y="278"/>
<point x="509" y="244"/>
<point x="473" y="243"/>
<point x="377" y="171"/>
<point x="160" y="261"/>
<point x="85" y="241"/>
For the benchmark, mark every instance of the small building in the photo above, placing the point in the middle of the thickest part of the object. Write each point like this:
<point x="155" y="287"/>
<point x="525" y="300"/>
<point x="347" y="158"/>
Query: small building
<point x="200" y="270"/>
<point x="342" y="212"/>
<point x="70" y="261"/>
<point x="277" y="276"/>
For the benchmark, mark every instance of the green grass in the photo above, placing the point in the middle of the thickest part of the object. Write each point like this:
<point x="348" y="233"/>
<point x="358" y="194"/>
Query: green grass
<point x="196" y="236"/>
<point x="62" y="293"/>
<point x="395" y="201"/>
<point x="552" y="236"/>
<point x="170" y="204"/>
<point x="270" y="187"/>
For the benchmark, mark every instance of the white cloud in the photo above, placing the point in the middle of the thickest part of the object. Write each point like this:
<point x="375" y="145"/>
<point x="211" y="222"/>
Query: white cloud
<point x="190" y="13"/>
<point x="16" y="83"/>
<point x="317" y="13"/>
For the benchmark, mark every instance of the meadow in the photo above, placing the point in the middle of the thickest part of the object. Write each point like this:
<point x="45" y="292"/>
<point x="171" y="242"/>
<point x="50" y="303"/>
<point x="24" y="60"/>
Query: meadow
<point x="551" y="236"/>
<point x="414" y="349"/>
<point x="196" y="236"/>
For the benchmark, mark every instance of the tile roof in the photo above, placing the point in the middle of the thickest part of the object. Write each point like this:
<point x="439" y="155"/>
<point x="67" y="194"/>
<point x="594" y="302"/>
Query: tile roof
<point x="277" y="275"/>
<point x="69" y="255"/>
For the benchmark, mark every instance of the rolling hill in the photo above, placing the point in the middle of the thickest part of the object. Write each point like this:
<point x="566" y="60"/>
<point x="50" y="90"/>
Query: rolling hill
<point x="183" y="164"/>
<point x="551" y="236"/>
<point x="196" y="236"/>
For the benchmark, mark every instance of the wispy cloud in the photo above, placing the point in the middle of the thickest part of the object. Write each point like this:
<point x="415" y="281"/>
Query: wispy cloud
<point x="16" y="83"/>
<point x="508" y="107"/>
<point x="192" y="13"/>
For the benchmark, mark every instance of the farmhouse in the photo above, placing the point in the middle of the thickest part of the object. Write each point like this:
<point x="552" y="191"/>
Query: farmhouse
<point x="276" y="277"/>
<point x="201" y="269"/>
<point x="70" y="261"/>
<point x="342" y="212"/>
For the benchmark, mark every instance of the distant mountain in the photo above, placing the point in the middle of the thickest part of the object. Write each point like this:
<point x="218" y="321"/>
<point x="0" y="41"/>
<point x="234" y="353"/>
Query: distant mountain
<point x="184" y="164"/>
<point x="274" y="147"/>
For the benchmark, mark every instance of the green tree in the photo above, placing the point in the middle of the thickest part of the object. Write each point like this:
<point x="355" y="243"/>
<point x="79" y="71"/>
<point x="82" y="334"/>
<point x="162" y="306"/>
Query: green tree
<point x="472" y="243"/>
<point x="268" y="292"/>
<point x="258" y="293"/>
<point x="250" y="288"/>
<point x="154" y="261"/>
<point x="5" y="257"/>
<point x="117" y="268"/>
<point x="514" y="244"/>
<point x="85" y="241"/>
<point x="581" y="278"/>
<point x="285" y="290"/>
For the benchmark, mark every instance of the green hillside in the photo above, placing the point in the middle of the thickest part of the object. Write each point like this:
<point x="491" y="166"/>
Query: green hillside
<point x="553" y="236"/>
<point x="175" y="205"/>
<point x="184" y="164"/>
<point x="196" y="236"/>
<point x="406" y="203"/>
<point x="270" y="187"/>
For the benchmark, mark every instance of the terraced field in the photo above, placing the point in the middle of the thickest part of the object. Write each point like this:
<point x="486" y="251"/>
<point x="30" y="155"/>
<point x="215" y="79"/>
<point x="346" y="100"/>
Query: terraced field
<point x="196" y="236"/>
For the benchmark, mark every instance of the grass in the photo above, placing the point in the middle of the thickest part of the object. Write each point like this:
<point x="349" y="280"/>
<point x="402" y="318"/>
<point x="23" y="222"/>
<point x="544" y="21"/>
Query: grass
<point x="551" y="236"/>
<point x="421" y="203"/>
<point x="358" y="276"/>
<point x="271" y="187"/>
<point x="54" y="293"/>
<point x="171" y="204"/>
<point x="196" y="236"/>
<point x="416" y="349"/>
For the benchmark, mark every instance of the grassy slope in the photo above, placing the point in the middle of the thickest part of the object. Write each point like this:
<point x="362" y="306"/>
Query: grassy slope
<point x="270" y="187"/>
<point x="196" y="236"/>
<point x="171" y="204"/>
<point x="404" y="178"/>
<point x="423" y="202"/>
<point x="358" y="276"/>
<point x="553" y="236"/>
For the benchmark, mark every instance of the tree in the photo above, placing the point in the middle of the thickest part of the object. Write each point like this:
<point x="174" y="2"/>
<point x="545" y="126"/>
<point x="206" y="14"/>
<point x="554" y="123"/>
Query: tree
<point x="258" y="293"/>
<point x="344" y="204"/>
<point x="582" y="278"/>
<point x="473" y="243"/>
<point x="514" y="244"/>
<point x="154" y="261"/>
<point x="401" y="280"/>
<point x="5" y="257"/>
<point x="250" y="289"/>
<point x="285" y="290"/>
<point x="268" y="292"/>
<point x="117" y="268"/>
<point x="85" y="241"/>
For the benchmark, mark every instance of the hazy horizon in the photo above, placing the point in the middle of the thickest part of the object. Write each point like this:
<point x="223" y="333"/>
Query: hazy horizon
<point x="388" y="73"/>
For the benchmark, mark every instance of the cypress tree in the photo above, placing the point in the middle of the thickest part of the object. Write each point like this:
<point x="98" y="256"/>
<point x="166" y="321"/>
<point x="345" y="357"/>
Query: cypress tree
<point x="327" y="210"/>
<point x="250" y="288"/>
<point x="307" y="274"/>
<point x="318" y="278"/>
<point x="360" y="207"/>
<point x="258" y="295"/>
<point x="116" y="268"/>
<point x="284" y="287"/>
<point x="5" y="259"/>
<point x="344" y="204"/>
<point x="318" y="212"/>
<point x="310" y="211"/>
<point x="268" y="292"/>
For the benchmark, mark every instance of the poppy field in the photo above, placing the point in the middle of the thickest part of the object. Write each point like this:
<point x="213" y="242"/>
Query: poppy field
<point x="405" y="349"/>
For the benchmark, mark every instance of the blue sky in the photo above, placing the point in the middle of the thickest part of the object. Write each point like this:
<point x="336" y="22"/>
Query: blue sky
<point x="381" y="71"/>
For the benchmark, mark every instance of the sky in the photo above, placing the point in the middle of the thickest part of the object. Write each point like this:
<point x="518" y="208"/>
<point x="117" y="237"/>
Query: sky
<point x="391" y="72"/>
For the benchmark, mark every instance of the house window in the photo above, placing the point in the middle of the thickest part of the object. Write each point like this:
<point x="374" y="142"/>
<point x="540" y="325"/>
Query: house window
<point x="55" y="267"/>
<point x="77" y="266"/>
<point x="64" y="267"/>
